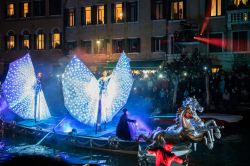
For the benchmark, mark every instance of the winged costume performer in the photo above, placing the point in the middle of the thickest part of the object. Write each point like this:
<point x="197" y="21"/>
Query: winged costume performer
<point x="20" y="91"/>
<point x="83" y="92"/>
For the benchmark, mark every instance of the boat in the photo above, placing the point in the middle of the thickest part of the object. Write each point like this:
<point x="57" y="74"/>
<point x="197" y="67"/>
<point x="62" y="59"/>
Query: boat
<point x="45" y="133"/>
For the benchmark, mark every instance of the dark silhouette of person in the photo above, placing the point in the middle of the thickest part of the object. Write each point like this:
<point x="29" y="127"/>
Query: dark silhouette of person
<point x="122" y="129"/>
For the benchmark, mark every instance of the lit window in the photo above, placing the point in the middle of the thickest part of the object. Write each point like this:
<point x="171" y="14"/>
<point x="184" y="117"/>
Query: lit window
<point x="26" y="40"/>
<point x="215" y="7"/>
<point x="118" y="13"/>
<point x="40" y="41"/>
<point x="10" y="10"/>
<point x="10" y="41"/>
<point x="88" y="15"/>
<point x="25" y="9"/>
<point x="238" y="2"/>
<point x="100" y="15"/>
<point x="56" y="40"/>
<point x="100" y="47"/>
<point x="177" y="10"/>
<point x="71" y="18"/>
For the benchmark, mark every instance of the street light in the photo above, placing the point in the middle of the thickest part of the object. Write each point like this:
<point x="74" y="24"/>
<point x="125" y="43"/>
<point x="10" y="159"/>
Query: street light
<point x="185" y="73"/>
<point x="98" y="42"/>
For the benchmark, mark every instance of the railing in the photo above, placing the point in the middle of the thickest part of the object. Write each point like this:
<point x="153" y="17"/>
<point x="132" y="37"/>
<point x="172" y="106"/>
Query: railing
<point x="240" y="16"/>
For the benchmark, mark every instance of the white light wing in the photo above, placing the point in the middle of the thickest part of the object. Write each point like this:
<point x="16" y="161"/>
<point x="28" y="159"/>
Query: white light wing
<point x="19" y="90"/>
<point x="118" y="89"/>
<point x="81" y="92"/>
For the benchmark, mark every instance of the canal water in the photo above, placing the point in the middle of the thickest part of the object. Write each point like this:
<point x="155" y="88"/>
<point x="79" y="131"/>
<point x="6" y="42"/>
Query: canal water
<point x="231" y="150"/>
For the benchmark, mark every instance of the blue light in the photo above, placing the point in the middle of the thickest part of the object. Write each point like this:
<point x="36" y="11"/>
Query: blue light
<point x="19" y="90"/>
<point x="81" y="91"/>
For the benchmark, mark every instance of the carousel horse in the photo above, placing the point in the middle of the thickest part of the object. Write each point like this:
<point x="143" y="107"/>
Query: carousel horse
<point x="189" y="128"/>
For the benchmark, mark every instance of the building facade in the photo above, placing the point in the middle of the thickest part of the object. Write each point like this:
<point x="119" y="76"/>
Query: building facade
<point x="34" y="26"/>
<point x="105" y="28"/>
<point x="159" y="29"/>
<point x="222" y="27"/>
<point x="99" y="30"/>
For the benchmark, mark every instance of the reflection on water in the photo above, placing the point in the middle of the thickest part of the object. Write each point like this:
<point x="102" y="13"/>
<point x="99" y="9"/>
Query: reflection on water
<point x="9" y="148"/>
<point x="231" y="150"/>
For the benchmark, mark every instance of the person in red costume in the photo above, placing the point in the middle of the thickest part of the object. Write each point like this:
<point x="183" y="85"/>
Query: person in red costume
<point x="164" y="156"/>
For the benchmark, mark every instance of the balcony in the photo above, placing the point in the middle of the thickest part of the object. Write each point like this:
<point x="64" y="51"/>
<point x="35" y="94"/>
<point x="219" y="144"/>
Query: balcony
<point x="240" y="16"/>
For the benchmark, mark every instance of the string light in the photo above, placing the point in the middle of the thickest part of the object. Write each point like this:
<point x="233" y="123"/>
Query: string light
<point x="19" y="90"/>
<point x="81" y="91"/>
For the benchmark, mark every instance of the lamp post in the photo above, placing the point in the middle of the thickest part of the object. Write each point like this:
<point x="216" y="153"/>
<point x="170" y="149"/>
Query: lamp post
<point x="98" y="42"/>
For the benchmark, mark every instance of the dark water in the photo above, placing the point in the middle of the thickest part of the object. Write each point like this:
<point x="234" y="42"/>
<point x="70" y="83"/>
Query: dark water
<point x="231" y="150"/>
<point x="10" y="147"/>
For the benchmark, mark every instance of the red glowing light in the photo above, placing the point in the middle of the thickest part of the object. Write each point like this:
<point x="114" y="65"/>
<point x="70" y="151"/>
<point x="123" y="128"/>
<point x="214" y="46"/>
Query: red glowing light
<point x="225" y="44"/>
<point x="207" y="16"/>
<point x="164" y="156"/>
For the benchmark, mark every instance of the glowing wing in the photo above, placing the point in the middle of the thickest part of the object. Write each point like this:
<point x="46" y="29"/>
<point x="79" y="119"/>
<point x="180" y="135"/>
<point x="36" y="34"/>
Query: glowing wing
<point x="19" y="90"/>
<point x="118" y="89"/>
<point x="81" y="92"/>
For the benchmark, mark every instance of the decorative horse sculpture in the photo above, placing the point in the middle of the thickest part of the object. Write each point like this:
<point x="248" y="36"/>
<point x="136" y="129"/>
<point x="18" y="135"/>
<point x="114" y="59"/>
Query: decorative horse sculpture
<point x="189" y="128"/>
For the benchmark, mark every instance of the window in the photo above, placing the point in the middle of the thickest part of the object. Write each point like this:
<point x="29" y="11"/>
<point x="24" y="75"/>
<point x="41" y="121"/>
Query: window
<point x="100" y="14"/>
<point x="215" y="7"/>
<point x="25" y="40"/>
<point x="71" y="16"/>
<point x="131" y="12"/>
<point x="240" y="41"/>
<point x="10" y="40"/>
<point x="177" y="10"/>
<point x="54" y="7"/>
<point x="86" y="45"/>
<point x="218" y="37"/>
<point x="39" y="8"/>
<point x="158" y="44"/>
<point x="87" y="15"/>
<point x="238" y="2"/>
<point x="118" y="13"/>
<point x="25" y="9"/>
<point x="100" y="47"/>
<point x="71" y="45"/>
<point x="158" y="10"/>
<point x="56" y="39"/>
<point x="40" y="40"/>
<point x="133" y="45"/>
<point x="118" y="45"/>
<point x="10" y="10"/>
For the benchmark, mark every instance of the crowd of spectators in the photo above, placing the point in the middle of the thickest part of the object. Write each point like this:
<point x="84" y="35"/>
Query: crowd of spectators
<point x="226" y="90"/>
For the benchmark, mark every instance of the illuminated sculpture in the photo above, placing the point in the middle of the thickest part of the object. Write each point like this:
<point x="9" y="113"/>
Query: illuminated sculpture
<point x="19" y="89"/>
<point x="82" y="91"/>
<point x="188" y="128"/>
